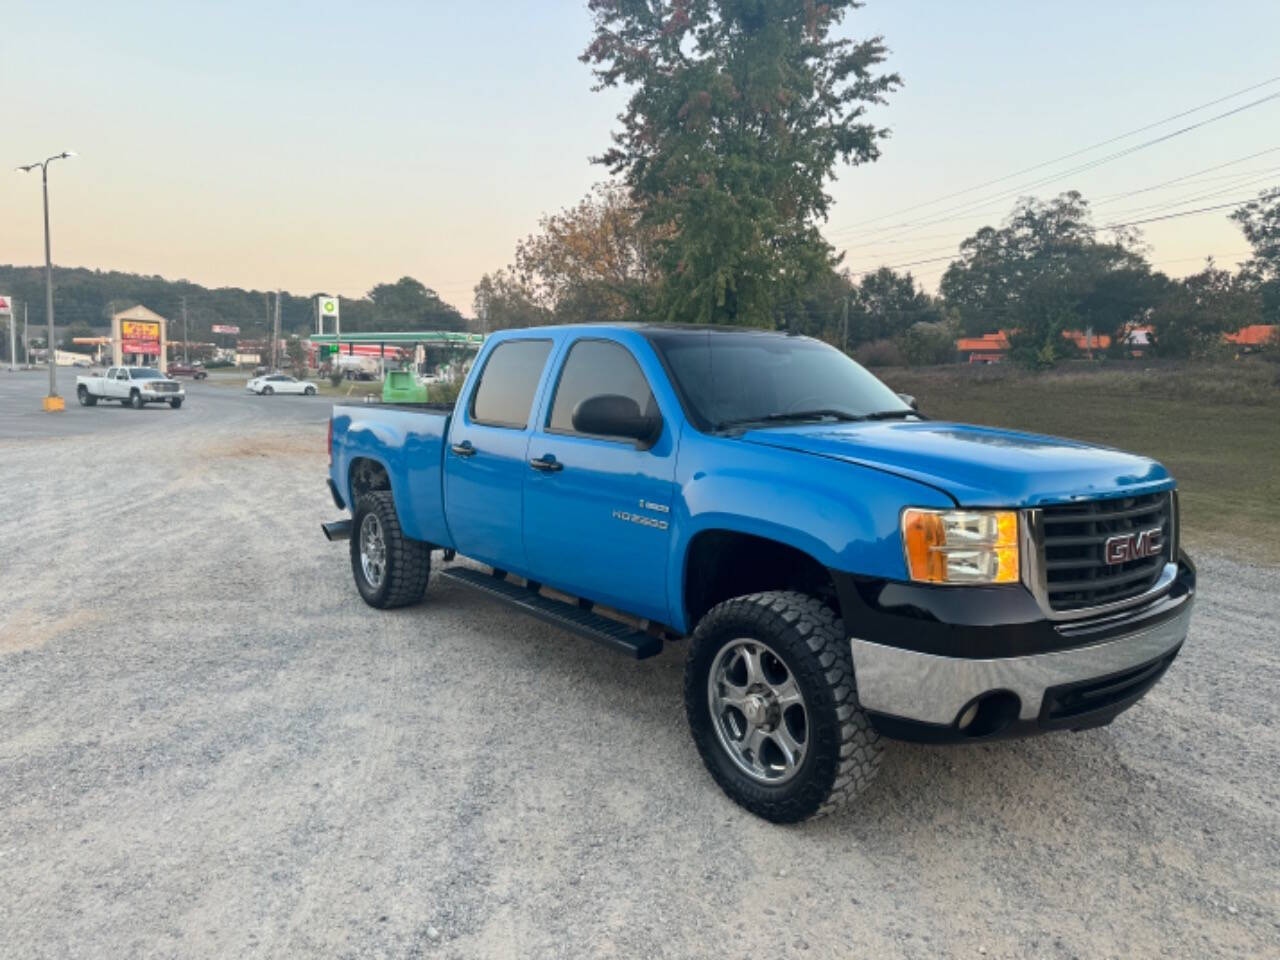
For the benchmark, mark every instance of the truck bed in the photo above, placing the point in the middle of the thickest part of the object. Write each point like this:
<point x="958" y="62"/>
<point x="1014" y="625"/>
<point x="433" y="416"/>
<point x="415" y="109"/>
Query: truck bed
<point x="407" y="439"/>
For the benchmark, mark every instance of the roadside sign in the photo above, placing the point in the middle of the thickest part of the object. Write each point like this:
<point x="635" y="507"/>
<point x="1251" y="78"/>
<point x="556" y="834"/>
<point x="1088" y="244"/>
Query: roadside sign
<point x="329" y="307"/>
<point x="225" y="328"/>
<point x="6" y="305"/>
<point x="140" y="336"/>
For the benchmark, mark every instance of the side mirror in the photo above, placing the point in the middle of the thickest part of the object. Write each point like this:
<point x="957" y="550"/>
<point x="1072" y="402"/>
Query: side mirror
<point x="611" y="415"/>
<point x="909" y="400"/>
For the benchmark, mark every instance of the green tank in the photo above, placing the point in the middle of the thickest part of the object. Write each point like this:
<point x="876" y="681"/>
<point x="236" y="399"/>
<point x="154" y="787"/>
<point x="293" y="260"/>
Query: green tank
<point x="403" y="386"/>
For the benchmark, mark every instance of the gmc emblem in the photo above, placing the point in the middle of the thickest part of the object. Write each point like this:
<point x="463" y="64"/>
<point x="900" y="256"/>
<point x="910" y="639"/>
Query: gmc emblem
<point x="1133" y="546"/>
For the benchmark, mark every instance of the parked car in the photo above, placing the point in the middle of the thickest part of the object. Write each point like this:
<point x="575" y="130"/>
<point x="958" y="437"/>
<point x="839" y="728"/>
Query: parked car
<point x="135" y="386"/>
<point x="194" y="370"/>
<point x="844" y="569"/>
<point x="280" y="383"/>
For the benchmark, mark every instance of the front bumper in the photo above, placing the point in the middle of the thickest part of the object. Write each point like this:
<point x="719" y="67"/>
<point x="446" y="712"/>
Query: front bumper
<point x="150" y="396"/>
<point x="990" y="670"/>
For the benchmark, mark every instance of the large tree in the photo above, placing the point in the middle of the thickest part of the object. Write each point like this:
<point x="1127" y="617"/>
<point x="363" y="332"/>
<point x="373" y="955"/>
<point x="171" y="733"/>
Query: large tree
<point x="1045" y="271"/>
<point x="409" y="304"/>
<point x="739" y="112"/>
<point x="1260" y="221"/>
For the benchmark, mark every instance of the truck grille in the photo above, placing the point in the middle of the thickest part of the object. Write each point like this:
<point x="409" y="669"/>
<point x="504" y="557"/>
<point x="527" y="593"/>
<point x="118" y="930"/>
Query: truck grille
<point x="1076" y="573"/>
<point x="166" y="387"/>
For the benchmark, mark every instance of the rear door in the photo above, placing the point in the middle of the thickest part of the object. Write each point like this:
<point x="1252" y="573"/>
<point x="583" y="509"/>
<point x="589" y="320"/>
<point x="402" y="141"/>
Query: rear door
<point x="485" y="457"/>
<point x="597" y="523"/>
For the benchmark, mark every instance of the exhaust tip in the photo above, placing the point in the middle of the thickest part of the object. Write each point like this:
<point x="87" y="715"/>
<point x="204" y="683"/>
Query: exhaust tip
<point x="336" y="530"/>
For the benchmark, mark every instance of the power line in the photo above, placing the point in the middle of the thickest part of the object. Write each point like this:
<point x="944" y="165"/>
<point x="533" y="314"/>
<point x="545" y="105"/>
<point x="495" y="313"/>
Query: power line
<point x="1073" y="154"/>
<point x="965" y="209"/>
<point x="1108" y="226"/>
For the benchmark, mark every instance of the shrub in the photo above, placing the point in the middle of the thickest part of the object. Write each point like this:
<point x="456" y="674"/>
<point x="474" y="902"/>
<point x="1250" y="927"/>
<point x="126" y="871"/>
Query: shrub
<point x="928" y="344"/>
<point x="879" y="353"/>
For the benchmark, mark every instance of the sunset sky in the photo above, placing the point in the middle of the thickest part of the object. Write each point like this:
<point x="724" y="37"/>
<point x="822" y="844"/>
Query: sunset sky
<point x="331" y="146"/>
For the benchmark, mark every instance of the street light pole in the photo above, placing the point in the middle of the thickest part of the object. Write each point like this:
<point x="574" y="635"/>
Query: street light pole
<point x="48" y="269"/>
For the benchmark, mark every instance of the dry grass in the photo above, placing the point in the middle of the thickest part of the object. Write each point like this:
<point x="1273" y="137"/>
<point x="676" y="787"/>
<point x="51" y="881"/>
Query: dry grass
<point x="1216" y="427"/>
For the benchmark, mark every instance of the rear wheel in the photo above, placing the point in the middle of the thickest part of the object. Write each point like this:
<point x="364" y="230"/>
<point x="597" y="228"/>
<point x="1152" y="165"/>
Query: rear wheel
<point x="135" y="400"/>
<point x="390" y="569"/>
<point x="770" y="696"/>
<point x="86" y="398"/>
<point x="309" y="391"/>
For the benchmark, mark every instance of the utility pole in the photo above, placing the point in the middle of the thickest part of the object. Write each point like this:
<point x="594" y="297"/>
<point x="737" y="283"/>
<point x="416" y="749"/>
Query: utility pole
<point x="185" y="356"/>
<point x="26" y="344"/>
<point x="275" y="336"/>
<point x="52" y="402"/>
<point x="844" y="325"/>
<point x="13" y="339"/>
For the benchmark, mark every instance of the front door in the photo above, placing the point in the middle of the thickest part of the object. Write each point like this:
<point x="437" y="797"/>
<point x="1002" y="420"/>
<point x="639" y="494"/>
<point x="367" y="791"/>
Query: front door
<point x="485" y="456"/>
<point x="597" y="520"/>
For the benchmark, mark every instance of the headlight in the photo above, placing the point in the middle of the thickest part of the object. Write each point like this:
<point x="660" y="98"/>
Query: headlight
<point x="961" y="546"/>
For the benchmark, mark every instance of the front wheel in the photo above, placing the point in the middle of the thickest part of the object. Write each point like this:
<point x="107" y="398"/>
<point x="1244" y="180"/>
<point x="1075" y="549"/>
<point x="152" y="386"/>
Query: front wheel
<point x="770" y="696"/>
<point x="86" y="398"/>
<point x="267" y="391"/>
<point x="390" y="569"/>
<point x="176" y="402"/>
<point x="136" y="401"/>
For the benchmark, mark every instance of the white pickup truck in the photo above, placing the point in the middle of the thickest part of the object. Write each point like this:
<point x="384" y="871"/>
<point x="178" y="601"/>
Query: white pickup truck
<point x="136" y="386"/>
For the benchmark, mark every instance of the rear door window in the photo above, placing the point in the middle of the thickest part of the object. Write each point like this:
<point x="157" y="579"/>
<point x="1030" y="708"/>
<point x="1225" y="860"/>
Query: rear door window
<point x="504" y="395"/>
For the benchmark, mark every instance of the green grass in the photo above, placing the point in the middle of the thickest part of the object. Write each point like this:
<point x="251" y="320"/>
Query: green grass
<point x="1216" y="427"/>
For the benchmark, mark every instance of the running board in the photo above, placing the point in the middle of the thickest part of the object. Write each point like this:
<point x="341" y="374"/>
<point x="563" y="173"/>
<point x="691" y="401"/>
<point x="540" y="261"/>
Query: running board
<point x="575" y="619"/>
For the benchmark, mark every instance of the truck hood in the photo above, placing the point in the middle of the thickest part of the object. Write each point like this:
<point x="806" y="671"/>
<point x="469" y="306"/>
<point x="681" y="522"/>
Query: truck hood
<point x="977" y="466"/>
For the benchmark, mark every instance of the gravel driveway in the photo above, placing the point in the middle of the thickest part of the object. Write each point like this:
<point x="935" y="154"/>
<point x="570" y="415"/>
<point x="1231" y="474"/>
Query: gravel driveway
<point x="210" y="747"/>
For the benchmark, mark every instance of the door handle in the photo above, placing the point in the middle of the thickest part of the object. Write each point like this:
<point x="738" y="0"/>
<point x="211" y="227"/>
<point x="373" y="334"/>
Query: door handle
<point x="547" y="464"/>
<point x="464" y="449"/>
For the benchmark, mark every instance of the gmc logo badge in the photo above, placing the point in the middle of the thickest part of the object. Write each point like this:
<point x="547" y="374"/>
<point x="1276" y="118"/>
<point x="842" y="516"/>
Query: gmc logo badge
<point x="1133" y="546"/>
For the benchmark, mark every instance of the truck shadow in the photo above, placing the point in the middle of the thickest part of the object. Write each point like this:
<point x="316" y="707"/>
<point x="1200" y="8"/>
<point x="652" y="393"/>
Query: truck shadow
<point x="1033" y="780"/>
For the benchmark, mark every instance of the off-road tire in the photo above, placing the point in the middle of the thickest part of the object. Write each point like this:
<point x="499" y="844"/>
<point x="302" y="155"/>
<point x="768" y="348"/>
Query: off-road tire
<point x="135" y="400"/>
<point x="408" y="562"/>
<point x="176" y="402"/>
<point x="86" y="398"/>
<point x="843" y="752"/>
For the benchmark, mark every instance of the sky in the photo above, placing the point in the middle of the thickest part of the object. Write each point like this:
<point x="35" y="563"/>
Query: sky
<point x="331" y="146"/>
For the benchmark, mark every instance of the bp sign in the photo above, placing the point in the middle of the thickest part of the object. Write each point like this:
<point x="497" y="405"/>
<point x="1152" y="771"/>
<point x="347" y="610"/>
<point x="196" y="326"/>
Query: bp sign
<point x="329" y="307"/>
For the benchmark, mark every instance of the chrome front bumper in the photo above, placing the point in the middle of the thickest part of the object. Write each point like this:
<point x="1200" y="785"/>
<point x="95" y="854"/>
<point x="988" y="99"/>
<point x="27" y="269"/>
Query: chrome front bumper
<point x="935" y="689"/>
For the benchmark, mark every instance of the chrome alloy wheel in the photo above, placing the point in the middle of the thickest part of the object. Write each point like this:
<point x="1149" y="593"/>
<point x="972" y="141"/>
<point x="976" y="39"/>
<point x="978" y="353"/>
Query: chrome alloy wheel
<point x="373" y="550"/>
<point x="758" y="711"/>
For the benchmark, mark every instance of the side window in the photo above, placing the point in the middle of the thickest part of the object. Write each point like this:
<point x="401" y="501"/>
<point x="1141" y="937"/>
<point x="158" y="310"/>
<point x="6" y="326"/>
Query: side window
<point x="594" y="367"/>
<point x="504" y="395"/>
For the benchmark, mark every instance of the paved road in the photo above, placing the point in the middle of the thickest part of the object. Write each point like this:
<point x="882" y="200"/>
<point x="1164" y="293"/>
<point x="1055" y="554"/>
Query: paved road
<point x="210" y="747"/>
<point x="216" y="405"/>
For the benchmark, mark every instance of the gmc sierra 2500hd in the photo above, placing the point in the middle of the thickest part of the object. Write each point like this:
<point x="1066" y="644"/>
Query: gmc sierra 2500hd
<point x="847" y="569"/>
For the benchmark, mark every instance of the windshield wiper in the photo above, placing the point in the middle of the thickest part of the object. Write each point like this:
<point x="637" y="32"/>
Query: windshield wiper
<point x="791" y="416"/>
<point x="890" y="414"/>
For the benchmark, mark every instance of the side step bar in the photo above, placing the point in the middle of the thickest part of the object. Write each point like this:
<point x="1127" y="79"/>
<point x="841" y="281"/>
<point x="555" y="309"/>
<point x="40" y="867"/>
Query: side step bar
<point x="575" y="619"/>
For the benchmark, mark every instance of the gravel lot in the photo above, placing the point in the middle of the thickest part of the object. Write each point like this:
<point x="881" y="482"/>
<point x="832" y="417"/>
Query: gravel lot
<point x="210" y="747"/>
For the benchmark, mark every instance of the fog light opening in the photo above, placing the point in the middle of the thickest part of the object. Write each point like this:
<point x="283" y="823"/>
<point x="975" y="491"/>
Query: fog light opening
<point x="989" y="714"/>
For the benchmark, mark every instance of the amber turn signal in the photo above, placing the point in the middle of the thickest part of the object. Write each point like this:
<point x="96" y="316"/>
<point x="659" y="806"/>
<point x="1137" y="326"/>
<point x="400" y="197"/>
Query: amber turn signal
<point x="961" y="546"/>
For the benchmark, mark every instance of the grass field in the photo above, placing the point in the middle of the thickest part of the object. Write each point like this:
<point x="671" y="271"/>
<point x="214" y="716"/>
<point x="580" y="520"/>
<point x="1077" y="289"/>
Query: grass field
<point x="1216" y="427"/>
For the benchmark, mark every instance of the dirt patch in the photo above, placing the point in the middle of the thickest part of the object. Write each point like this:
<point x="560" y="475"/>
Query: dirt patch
<point x="271" y="445"/>
<point x="27" y="630"/>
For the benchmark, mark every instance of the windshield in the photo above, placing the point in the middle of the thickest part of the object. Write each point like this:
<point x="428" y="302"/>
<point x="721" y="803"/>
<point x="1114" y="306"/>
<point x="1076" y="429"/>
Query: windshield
<point x="728" y="379"/>
<point x="144" y="373"/>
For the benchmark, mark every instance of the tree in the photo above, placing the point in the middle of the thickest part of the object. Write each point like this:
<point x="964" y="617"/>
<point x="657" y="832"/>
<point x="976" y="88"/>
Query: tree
<point x="1197" y="310"/>
<point x="593" y="261"/>
<point x="503" y="301"/>
<point x="1260" y="222"/>
<point x="408" y="304"/>
<point x="1045" y="272"/>
<point x="887" y="304"/>
<point x="739" y="111"/>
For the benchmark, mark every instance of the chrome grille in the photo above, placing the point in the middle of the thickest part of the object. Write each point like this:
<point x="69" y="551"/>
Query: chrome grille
<point x="1076" y="574"/>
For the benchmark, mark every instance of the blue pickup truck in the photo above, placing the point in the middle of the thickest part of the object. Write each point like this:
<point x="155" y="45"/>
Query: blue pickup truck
<point x="845" y="569"/>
